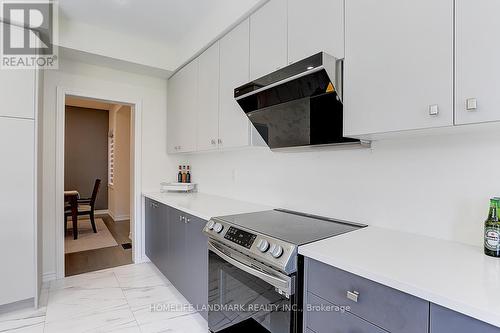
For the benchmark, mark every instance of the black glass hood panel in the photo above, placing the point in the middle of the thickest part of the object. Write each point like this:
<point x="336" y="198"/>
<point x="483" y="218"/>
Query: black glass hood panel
<point x="299" y="105"/>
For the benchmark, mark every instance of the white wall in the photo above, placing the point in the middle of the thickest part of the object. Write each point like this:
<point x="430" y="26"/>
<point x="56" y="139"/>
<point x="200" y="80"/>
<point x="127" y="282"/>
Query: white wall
<point x="134" y="49"/>
<point x="119" y="193"/>
<point x="437" y="185"/>
<point x="78" y="76"/>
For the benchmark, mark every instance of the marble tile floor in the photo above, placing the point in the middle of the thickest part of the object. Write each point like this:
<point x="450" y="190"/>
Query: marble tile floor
<point x="118" y="299"/>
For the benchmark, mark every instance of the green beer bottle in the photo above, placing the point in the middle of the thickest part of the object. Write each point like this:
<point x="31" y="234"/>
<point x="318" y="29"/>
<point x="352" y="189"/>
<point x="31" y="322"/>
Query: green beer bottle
<point x="492" y="230"/>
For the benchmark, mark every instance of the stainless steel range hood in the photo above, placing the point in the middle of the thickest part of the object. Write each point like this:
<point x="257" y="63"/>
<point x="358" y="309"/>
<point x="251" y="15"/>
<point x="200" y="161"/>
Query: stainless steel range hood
<point x="298" y="105"/>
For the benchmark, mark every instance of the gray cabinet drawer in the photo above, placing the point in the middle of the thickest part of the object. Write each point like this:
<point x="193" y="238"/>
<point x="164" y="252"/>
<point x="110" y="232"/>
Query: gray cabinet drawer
<point x="393" y="310"/>
<point x="321" y="317"/>
<point x="447" y="321"/>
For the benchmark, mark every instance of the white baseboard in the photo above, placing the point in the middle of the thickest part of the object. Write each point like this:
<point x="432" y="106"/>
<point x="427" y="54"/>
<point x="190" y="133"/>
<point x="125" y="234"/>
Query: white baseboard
<point x="19" y="305"/>
<point x="101" y="212"/>
<point x="141" y="260"/>
<point x="47" y="277"/>
<point x="118" y="218"/>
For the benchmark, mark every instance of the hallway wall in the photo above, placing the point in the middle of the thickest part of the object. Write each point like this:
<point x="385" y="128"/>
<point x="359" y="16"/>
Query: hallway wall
<point x="86" y="152"/>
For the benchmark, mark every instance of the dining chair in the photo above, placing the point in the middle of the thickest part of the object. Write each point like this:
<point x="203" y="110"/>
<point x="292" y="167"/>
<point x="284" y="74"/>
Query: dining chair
<point x="86" y="206"/>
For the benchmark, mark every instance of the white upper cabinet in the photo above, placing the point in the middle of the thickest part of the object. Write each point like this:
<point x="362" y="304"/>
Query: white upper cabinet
<point x="234" y="126"/>
<point x="182" y="108"/>
<point x="20" y="102"/>
<point x="21" y="85"/>
<point x="17" y="147"/>
<point x="315" y="26"/>
<point x="398" y="65"/>
<point x="268" y="38"/>
<point x="208" y="98"/>
<point x="173" y="113"/>
<point x="477" y="61"/>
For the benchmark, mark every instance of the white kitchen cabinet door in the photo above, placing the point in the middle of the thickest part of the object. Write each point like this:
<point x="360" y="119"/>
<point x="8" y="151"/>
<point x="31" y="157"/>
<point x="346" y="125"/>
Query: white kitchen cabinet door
<point x="17" y="145"/>
<point x="477" y="61"/>
<point x="173" y="114"/>
<point x="208" y="98"/>
<point x="268" y="38"/>
<point x="398" y="65"/>
<point x="20" y="85"/>
<point x="234" y="126"/>
<point x="315" y="26"/>
<point x="182" y="108"/>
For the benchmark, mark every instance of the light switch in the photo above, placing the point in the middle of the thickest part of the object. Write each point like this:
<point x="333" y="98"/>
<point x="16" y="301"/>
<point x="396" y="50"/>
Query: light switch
<point x="433" y="110"/>
<point x="471" y="104"/>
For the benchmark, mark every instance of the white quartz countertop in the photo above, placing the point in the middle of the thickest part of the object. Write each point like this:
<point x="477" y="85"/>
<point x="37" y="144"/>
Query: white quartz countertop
<point x="453" y="275"/>
<point x="205" y="206"/>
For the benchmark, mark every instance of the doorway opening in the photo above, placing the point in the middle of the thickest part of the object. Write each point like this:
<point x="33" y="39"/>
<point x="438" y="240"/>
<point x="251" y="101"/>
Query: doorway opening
<point x="98" y="184"/>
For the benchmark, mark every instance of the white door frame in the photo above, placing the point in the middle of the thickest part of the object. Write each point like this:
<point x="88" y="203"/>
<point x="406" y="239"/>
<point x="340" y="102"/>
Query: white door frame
<point x="136" y="219"/>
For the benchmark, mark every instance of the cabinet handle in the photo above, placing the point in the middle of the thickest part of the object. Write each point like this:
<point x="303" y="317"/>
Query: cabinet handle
<point x="433" y="110"/>
<point x="213" y="142"/>
<point x="353" y="296"/>
<point x="471" y="104"/>
<point x="180" y="218"/>
<point x="187" y="220"/>
<point x="220" y="141"/>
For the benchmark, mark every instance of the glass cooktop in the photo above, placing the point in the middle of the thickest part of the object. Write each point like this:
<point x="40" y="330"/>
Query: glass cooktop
<point x="292" y="227"/>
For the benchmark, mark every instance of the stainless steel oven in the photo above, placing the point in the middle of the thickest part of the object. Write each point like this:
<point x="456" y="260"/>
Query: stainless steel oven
<point x="246" y="296"/>
<point x="255" y="279"/>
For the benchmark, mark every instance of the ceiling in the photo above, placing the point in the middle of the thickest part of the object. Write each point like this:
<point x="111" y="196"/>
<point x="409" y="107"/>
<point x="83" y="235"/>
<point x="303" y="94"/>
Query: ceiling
<point x="174" y="23"/>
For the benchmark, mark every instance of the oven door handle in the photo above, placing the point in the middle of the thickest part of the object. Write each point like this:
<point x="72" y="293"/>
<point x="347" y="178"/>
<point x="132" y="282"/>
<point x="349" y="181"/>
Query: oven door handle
<point x="281" y="284"/>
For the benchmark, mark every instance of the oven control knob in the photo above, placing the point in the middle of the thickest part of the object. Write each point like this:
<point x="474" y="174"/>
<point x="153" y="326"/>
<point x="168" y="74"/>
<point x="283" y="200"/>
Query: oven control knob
<point x="263" y="245"/>
<point x="276" y="251"/>
<point x="218" y="227"/>
<point x="210" y="225"/>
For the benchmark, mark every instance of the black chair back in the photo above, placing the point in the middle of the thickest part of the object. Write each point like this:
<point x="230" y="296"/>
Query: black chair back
<point x="97" y="184"/>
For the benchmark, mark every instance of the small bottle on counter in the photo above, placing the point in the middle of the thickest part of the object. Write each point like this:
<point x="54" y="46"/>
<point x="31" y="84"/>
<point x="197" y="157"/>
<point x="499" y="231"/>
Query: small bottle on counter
<point x="184" y="175"/>
<point x="179" y="175"/>
<point x="188" y="175"/>
<point x="492" y="230"/>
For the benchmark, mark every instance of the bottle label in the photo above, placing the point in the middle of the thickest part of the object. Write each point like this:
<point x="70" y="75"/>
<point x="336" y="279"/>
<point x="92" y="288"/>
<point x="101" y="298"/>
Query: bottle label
<point x="492" y="239"/>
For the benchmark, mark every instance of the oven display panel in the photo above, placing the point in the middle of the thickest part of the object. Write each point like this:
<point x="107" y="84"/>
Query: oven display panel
<point x="240" y="237"/>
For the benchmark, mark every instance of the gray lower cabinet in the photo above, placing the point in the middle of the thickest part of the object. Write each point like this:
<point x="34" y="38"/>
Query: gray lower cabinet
<point x="177" y="246"/>
<point x="155" y="230"/>
<point x="373" y="308"/>
<point x="386" y="308"/>
<point x="187" y="264"/>
<point x="176" y="256"/>
<point x="447" y="321"/>
<point x="197" y="266"/>
<point x="324" y="317"/>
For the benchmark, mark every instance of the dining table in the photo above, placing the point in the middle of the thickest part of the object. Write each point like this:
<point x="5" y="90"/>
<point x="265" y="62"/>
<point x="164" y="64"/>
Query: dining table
<point x="71" y="202"/>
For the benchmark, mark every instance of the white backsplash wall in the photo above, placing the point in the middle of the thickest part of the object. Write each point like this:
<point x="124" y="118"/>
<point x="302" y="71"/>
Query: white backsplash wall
<point x="437" y="185"/>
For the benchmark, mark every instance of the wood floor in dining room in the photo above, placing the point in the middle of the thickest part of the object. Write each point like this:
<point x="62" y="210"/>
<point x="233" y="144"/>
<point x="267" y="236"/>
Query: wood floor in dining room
<point x="94" y="260"/>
